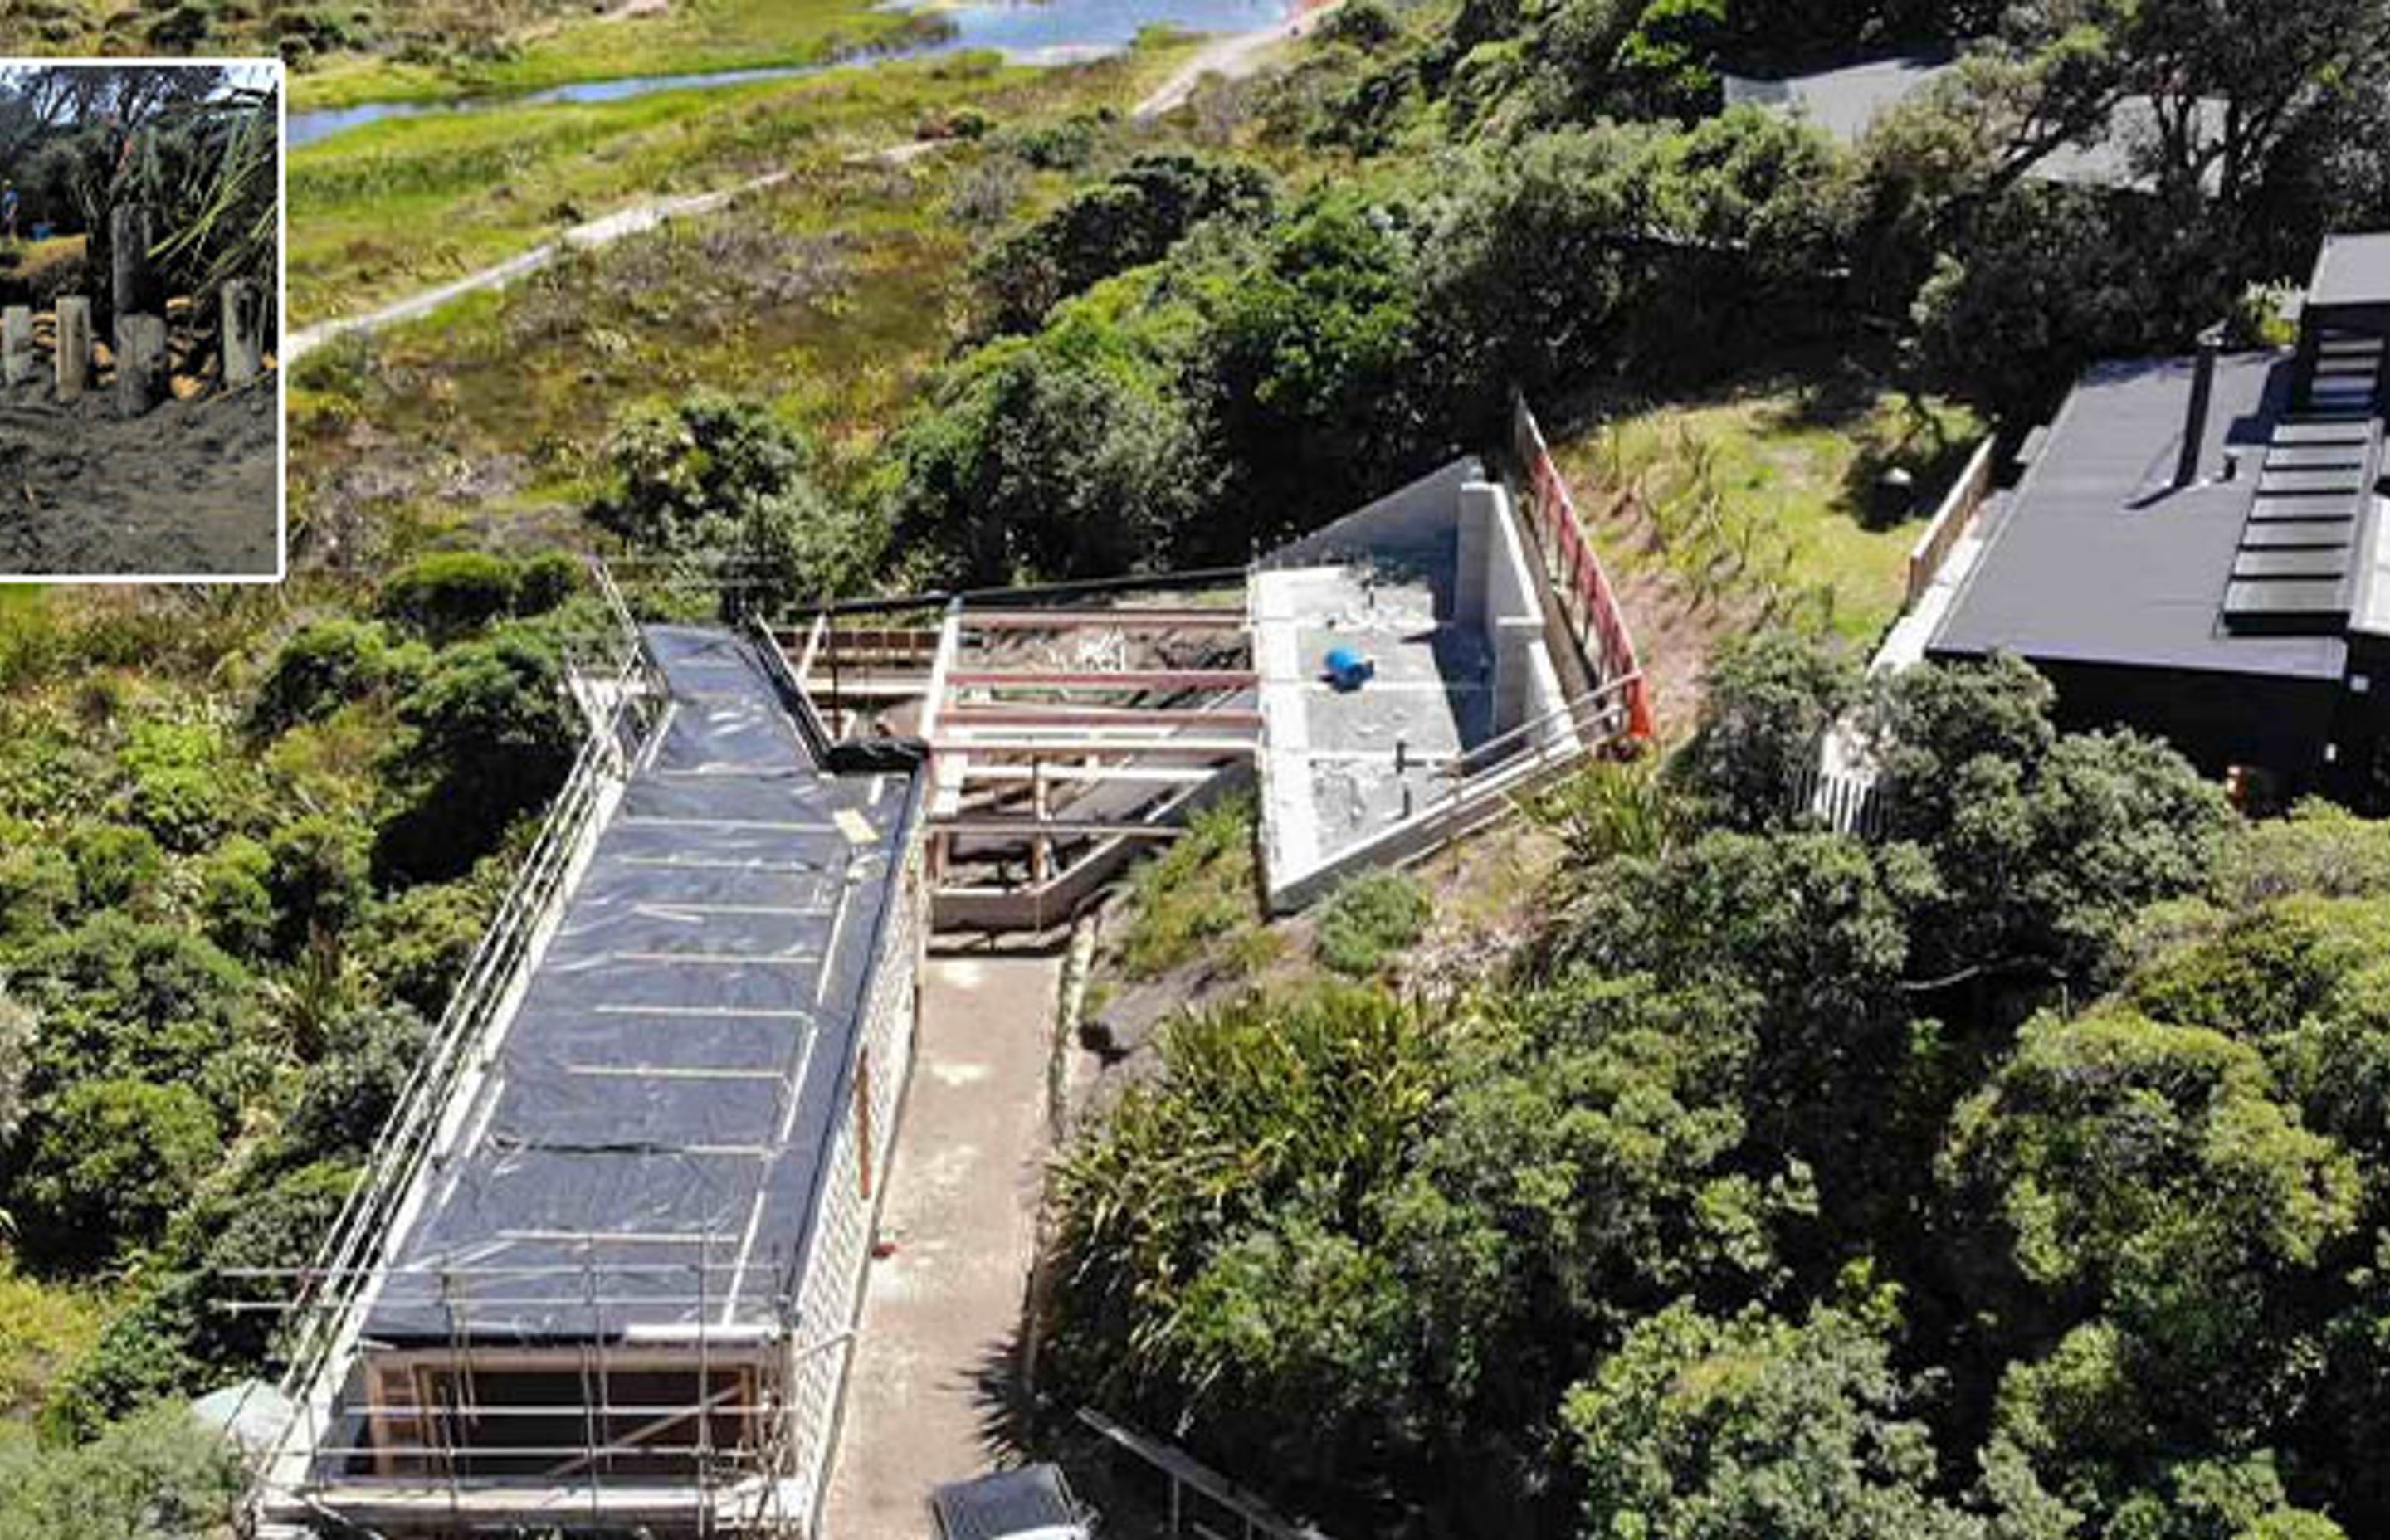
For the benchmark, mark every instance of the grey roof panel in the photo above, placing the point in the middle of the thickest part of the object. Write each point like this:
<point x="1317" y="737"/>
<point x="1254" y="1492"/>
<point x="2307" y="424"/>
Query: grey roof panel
<point x="2299" y="456"/>
<point x="2288" y="597"/>
<point x="2335" y="534"/>
<point x="2351" y="270"/>
<point x="2097" y="560"/>
<point x="2303" y="510"/>
<point x="2298" y="483"/>
<point x="2304" y="432"/>
<point x="2310" y="561"/>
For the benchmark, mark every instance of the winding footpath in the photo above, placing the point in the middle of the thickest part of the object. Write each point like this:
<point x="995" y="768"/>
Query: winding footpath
<point x="580" y="238"/>
<point x="1233" y="56"/>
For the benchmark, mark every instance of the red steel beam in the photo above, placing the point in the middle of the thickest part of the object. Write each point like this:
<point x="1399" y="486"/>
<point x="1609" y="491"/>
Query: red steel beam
<point x="1111" y="620"/>
<point x="1163" y="748"/>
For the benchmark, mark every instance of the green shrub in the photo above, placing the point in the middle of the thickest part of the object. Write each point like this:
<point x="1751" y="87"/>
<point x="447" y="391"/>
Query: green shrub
<point x="115" y="1159"/>
<point x="234" y="904"/>
<point x="446" y="595"/>
<point x="316" y="877"/>
<point x="1367" y="919"/>
<point x="156" y="1475"/>
<point x="1193" y="894"/>
<point x="114" y="865"/>
<point x="319" y="669"/>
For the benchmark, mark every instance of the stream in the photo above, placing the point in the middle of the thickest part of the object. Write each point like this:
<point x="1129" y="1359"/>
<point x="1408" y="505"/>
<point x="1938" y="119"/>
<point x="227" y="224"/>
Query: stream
<point x="1039" y="31"/>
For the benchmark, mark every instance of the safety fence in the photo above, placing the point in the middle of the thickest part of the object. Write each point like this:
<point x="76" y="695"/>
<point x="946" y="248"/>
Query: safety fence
<point x="1578" y="580"/>
<point x="326" y="1305"/>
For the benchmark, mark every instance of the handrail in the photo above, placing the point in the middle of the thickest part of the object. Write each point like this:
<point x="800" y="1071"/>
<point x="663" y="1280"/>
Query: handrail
<point x="1958" y="511"/>
<point x="1183" y="1470"/>
<point x="359" y="1236"/>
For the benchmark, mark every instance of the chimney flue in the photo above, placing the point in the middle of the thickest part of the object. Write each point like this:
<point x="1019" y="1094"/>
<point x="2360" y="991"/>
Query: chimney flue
<point x="2194" y="417"/>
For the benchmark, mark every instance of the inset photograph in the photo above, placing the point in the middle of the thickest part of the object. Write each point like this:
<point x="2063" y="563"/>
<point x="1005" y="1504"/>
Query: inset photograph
<point x="140" y="315"/>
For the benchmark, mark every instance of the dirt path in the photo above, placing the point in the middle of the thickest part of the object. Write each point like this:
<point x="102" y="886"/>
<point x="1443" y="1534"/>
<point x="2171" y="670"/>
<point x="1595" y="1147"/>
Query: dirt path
<point x="924" y="1398"/>
<point x="1231" y="58"/>
<point x="580" y="238"/>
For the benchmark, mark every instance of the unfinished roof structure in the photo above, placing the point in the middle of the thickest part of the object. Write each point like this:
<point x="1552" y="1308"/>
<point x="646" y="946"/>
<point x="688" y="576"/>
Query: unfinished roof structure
<point x="614" y="1285"/>
<point x="2197" y="549"/>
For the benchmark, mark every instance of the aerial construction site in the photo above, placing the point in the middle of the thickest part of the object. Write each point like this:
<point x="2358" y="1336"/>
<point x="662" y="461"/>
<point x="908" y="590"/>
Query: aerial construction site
<point x="604" y="1274"/>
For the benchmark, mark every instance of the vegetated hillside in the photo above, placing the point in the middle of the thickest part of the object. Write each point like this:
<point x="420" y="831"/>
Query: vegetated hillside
<point x="1068" y="342"/>
<point x="2022" y="1173"/>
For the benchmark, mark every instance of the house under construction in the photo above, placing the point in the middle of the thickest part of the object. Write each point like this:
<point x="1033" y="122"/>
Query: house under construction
<point x="604" y="1273"/>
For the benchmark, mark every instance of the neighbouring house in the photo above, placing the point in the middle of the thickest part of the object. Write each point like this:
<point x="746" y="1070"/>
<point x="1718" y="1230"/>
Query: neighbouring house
<point x="1846" y="103"/>
<point x="2196" y="549"/>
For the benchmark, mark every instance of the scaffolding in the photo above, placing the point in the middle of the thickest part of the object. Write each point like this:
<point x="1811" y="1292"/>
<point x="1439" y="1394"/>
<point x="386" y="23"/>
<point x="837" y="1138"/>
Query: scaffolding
<point x="669" y="1354"/>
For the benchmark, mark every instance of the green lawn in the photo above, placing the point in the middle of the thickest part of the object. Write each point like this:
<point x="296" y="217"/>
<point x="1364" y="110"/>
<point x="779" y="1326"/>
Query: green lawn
<point x="1758" y="497"/>
<point x="684" y="36"/>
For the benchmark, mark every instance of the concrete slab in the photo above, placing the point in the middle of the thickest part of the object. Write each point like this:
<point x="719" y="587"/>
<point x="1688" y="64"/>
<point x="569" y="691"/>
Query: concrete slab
<point x="1335" y="752"/>
<point x="924" y="1400"/>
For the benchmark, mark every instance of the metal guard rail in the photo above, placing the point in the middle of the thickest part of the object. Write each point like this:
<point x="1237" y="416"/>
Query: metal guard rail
<point x="354" y="1251"/>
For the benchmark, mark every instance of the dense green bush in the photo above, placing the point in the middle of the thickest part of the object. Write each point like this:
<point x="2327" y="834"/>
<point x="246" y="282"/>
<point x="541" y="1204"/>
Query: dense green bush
<point x="321" y="667"/>
<point x="720" y="495"/>
<point x="112" y="1161"/>
<point x="445" y="595"/>
<point x="158" y="1474"/>
<point x="490" y="735"/>
<point x="1131" y="218"/>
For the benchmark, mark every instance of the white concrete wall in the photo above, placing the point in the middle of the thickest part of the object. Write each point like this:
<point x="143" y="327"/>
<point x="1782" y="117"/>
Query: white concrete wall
<point x="1500" y="597"/>
<point x="1417" y="515"/>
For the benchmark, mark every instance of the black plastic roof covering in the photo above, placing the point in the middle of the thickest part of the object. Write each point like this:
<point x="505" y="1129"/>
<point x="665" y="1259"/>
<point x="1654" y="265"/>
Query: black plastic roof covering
<point x="662" y="1093"/>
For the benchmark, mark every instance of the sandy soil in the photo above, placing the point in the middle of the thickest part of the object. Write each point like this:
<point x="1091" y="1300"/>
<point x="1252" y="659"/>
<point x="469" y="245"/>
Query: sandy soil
<point x="187" y="490"/>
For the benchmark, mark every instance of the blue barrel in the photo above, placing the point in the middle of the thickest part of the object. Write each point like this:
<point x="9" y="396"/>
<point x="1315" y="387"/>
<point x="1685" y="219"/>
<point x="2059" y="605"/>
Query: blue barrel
<point x="1347" y="669"/>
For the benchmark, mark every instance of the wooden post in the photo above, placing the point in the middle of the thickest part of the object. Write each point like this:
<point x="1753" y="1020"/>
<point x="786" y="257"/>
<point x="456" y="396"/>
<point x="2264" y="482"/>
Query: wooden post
<point x="17" y="345"/>
<point x="140" y="363"/>
<point x="74" y="345"/>
<point x="135" y="281"/>
<point x="244" y="331"/>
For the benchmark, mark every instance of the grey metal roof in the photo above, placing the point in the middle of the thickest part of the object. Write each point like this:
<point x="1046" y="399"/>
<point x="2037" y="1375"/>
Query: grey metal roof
<point x="2095" y="559"/>
<point x="1032" y="1500"/>
<point x="2351" y="270"/>
<point x="664" y="1090"/>
<point x="1848" y="102"/>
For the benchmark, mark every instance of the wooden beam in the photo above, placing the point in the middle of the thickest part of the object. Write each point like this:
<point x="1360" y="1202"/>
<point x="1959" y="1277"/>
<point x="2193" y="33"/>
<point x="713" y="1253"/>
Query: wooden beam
<point x="1121" y="619"/>
<point x="1103" y="679"/>
<point x="1067" y="770"/>
<point x="1029" y="713"/>
<point x="989" y="826"/>
<point x="1170" y="748"/>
